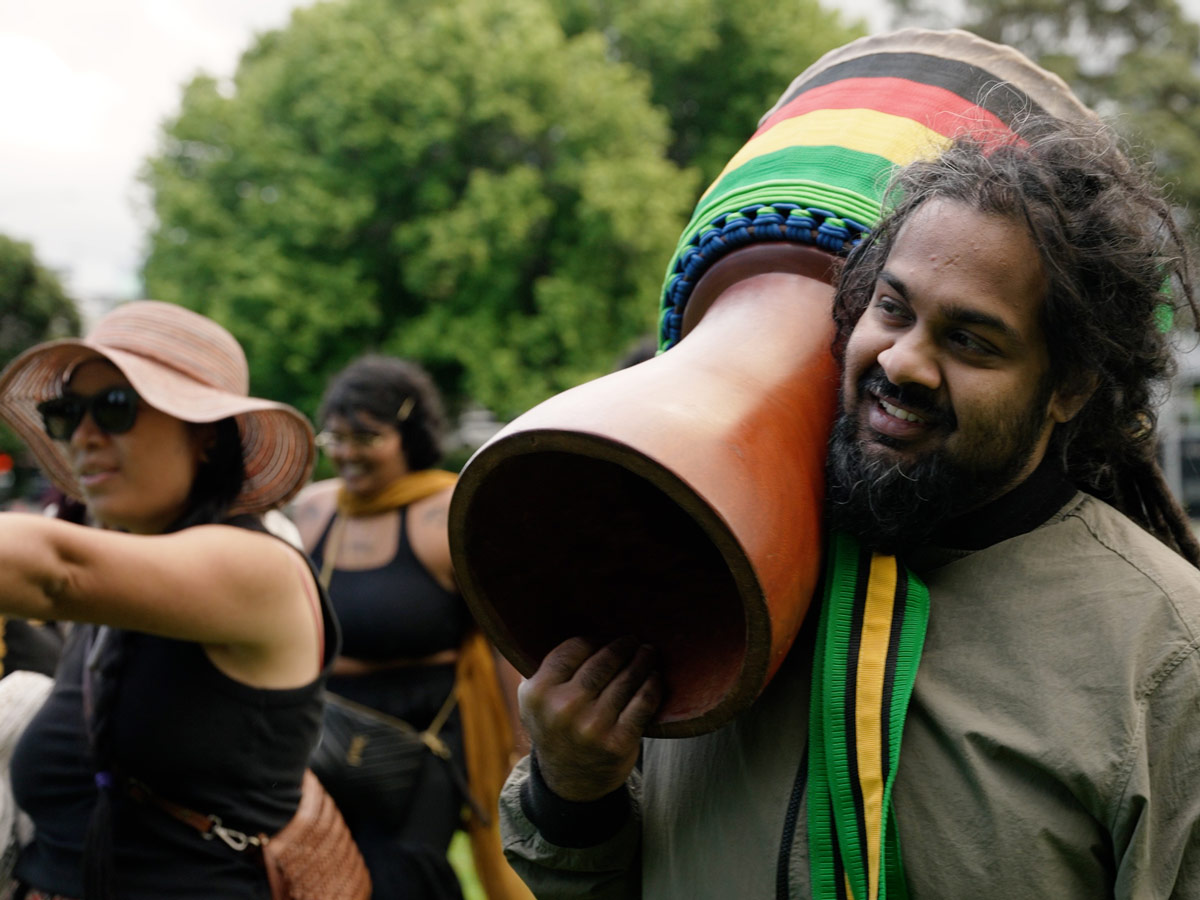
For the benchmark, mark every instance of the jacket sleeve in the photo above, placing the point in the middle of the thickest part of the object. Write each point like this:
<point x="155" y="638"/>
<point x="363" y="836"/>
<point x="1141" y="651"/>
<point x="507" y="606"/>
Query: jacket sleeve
<point x="1156" y="832"/>
<point x="596" y="847"/>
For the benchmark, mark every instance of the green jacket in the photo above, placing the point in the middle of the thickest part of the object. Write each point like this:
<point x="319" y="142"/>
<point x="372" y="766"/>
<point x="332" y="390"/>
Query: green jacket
<point x="1052" y="746"/>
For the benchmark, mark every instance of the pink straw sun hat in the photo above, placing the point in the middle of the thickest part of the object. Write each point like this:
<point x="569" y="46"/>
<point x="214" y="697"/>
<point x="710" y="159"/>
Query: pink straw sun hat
<point x="180" y="363"/>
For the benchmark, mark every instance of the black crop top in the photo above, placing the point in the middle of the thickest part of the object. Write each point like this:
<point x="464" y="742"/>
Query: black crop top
<point x="395" y="611"/>
<point x="196" y="737"/>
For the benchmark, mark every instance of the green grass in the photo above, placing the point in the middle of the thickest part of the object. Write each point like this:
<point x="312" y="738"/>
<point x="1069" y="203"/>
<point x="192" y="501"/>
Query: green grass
<point x="460" y="858"/>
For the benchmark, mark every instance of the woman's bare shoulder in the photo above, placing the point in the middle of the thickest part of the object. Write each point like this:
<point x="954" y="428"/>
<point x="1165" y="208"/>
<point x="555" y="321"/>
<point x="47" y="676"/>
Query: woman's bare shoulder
<point x="434" y="505"/>
<point x="313" y="508"/>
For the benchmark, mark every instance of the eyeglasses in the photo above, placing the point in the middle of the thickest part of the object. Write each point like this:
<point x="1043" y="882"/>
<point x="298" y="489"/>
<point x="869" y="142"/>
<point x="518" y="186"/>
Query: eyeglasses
<point x="359" y="440"/>
<point x="113" y="410"/>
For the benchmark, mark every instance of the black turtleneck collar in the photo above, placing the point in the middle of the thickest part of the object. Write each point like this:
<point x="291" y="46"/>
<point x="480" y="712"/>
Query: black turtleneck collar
<point x="1022" y="509"/>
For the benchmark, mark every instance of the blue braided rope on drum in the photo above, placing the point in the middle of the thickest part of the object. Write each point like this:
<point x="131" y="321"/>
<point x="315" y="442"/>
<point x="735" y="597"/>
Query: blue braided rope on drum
<point x="749" y="225"/>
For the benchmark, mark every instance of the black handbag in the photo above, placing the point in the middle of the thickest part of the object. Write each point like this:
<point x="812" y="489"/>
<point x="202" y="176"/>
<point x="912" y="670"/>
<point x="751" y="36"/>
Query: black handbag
<point x="368" y="761"/>
<point x="371" y="762"/>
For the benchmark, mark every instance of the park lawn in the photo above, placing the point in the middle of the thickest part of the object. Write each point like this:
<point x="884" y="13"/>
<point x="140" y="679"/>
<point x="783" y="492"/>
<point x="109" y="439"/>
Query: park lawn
<point x="460" y="858"/>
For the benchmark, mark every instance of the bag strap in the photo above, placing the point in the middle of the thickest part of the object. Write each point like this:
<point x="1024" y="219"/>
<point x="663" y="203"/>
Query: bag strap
<point x="333" y="544"/>
<point x="209" y="826"/>
<point x="429" y="737"/>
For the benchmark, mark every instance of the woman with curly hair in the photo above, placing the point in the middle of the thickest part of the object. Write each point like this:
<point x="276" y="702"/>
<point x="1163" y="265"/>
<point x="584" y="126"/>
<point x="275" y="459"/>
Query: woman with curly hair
<point x="410" y="650"/>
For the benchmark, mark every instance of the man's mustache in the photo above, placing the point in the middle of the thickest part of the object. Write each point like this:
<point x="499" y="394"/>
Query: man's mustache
<point x="915" y="397"/>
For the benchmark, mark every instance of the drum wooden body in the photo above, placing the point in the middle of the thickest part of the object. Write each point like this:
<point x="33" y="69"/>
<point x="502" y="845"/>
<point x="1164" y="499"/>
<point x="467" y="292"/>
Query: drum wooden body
<point x="678" y="500"/>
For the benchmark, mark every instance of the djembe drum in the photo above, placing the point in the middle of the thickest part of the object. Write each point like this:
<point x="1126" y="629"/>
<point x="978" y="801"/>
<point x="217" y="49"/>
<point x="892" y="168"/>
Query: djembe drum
<point x="680" y="500"/>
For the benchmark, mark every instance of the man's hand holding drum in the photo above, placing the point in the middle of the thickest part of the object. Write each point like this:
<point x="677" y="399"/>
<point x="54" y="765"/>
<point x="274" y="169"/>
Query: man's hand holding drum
<point x="586" y="710"/>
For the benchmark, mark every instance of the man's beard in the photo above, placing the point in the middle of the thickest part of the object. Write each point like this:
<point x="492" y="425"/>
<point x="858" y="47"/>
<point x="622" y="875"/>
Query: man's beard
<point x="893" y="505"/>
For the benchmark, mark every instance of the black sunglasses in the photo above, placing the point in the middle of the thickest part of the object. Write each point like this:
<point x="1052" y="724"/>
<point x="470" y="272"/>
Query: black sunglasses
<point x="113" y="410"/>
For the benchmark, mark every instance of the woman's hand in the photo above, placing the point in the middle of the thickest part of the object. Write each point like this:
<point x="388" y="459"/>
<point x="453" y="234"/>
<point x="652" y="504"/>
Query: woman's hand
<point x="586" y="710"/>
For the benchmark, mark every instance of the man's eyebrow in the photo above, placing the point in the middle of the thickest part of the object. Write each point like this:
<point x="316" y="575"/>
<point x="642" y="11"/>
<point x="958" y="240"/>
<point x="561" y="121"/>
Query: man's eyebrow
<point x="894" y="282"/>
<point x="965" y="315"/>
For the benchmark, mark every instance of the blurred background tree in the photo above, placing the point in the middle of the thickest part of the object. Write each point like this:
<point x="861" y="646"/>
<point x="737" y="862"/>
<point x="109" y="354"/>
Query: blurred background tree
<point x="1134" y="62"/>
<point x="490" y="187"/>
<point x="33" y="308"/>
<point x="33" y="305"/>
<point x="714" y="66"/>
<point x="459" y="184"/>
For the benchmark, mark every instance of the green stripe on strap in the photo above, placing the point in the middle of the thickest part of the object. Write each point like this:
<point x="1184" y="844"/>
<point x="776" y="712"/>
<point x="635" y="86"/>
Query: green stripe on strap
<point x="869" y="641"/>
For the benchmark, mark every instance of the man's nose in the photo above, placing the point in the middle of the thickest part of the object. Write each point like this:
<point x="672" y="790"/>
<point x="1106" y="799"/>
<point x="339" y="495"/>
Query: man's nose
<point x="912" y="359"/>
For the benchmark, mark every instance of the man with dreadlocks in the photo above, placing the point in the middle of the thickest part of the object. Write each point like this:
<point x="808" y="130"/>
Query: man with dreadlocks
<point x="1068" y="214"/>
<point x="1011" y="595"/>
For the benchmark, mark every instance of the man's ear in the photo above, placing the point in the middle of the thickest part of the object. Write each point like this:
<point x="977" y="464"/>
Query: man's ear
<point x="1068" y="399"/>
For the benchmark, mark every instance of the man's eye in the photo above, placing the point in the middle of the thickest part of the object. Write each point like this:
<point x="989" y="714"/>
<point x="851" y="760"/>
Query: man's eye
<point x="889" y="306"/>
<point x="972" y="344"/>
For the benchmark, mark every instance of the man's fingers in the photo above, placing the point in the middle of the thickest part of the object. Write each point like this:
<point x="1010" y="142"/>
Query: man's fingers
<point x="555" y="672"/>
<point x="587" y="728"/>
<point x="641" y="709"/>
<point x="636" y="685"/>
<point x="584" y="693"/>
<point x="625" y="684"/>
<point x="561" y="663"/>
<point x="598" y="671"/>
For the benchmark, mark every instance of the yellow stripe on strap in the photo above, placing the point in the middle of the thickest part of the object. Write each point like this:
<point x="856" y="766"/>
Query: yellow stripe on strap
<point x="897" y="139"/>
<point x="868" y="705"/>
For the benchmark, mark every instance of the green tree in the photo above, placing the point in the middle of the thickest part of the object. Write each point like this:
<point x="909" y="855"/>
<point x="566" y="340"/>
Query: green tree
<point x="33" y="305"/>
<point x="1134" y="62"/>
<point x="33" y="308"/>
<point x="457" y="183"/>
<point x="715" y="66"/>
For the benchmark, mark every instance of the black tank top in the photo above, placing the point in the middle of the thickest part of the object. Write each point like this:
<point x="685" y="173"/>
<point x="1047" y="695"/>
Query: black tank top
<point x="196" y="737"/>
<point x="395" y="611"/>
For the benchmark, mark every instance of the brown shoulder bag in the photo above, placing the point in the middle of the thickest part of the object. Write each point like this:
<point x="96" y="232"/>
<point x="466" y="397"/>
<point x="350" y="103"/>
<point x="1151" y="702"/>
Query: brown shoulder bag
<point x="313" y="857"/>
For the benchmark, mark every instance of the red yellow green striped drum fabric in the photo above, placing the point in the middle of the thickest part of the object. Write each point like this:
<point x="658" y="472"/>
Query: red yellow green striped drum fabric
<point x="816" y="170"/>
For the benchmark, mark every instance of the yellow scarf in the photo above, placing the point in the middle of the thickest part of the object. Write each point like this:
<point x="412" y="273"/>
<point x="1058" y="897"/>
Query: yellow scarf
<point x="488" y="746"/>
<point x="487" y="733"/>
<point x="404" y="490"/>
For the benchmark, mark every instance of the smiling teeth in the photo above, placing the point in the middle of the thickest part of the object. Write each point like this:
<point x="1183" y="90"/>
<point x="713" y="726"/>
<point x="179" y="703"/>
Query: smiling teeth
<point x="899" y="413"/>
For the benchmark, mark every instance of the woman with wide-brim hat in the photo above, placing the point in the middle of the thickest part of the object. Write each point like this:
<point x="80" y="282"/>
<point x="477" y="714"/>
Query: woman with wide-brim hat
<point x="200" y="682"/>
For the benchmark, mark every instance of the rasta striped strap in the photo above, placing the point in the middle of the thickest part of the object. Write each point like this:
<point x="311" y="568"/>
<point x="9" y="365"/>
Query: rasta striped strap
<point x="869" y="641"/>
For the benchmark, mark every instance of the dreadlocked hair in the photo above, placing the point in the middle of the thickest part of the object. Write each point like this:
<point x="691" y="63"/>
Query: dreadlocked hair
<point x="1117" y="275"/>
<point x="216" y="485"/>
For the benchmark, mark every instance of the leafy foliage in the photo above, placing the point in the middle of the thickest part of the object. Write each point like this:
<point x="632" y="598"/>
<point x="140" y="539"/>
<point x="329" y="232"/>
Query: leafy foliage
<point x="33" y="308"/>
<point x="1134" y="62"/>
<point x="490" y="187"/>
<point x="459" y="184"/>
<point x="714" y="66"/>
<point x="33" y="305"/>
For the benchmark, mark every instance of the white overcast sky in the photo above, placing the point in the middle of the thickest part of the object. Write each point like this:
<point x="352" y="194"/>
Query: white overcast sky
<point x="84" y="86"/>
